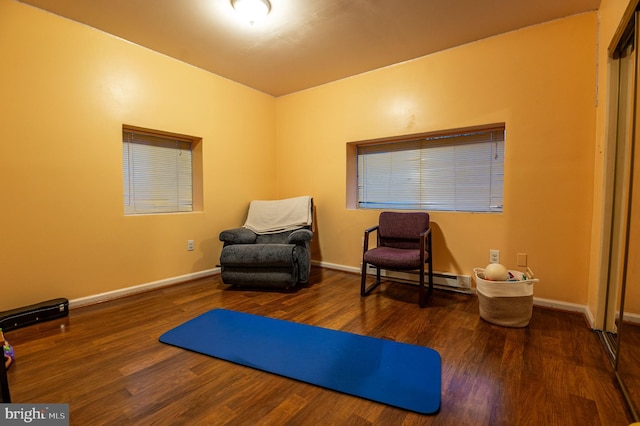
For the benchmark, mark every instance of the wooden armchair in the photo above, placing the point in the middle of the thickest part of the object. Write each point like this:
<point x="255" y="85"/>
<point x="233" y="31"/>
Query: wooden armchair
<point x="403" y="243"/>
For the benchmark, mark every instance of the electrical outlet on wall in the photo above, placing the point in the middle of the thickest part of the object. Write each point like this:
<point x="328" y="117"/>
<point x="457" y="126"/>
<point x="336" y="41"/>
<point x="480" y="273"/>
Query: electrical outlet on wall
<point x="190" y="245"/>
<point x="494" y="256"/>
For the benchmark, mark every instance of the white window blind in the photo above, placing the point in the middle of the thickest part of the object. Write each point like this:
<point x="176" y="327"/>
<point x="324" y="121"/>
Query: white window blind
<point x="459" y="172"/>
<point x="157" y="174"/>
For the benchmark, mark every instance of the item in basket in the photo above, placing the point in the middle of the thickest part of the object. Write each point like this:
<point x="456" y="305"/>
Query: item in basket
<point x="496" y="272"/>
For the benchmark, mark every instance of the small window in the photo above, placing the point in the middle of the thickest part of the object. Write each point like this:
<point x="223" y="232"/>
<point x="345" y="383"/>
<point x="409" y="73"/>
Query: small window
<point x="158" y="172"/>
<point x="452" y="171"/>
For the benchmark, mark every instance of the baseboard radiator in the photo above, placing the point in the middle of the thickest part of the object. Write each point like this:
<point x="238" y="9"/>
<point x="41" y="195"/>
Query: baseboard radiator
<point x="441" y="280"/>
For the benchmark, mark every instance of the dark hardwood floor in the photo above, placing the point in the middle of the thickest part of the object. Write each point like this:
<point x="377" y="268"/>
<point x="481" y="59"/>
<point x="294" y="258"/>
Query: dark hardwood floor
<point x="106" y="362"/>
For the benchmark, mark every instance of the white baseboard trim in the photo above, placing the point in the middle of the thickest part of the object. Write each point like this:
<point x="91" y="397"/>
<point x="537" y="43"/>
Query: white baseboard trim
<point x="537" y="301"/>
<point x="128" y="291"/>
<point x="567" y="307"/>
<point x="632" y="318"/>
<point x="110" y="295"/>
<point x="336" y="266"/>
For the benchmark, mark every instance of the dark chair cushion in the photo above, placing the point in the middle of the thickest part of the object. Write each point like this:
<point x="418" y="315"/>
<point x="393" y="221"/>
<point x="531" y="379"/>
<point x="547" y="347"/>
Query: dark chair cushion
<point x="393" y="258"/>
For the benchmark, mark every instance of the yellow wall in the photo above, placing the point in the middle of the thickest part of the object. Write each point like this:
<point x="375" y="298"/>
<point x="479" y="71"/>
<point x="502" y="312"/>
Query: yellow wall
<point x="66" y="90"/>
<point x="540" y="81"/>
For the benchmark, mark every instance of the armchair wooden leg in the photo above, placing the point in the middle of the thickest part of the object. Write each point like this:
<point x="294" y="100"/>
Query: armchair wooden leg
<point x="421" y="297"/>
<point x="363" y="280"/>
<point x="430" y="265"/>
<point x="364" y="291"/>
<point x="430" y="278"/>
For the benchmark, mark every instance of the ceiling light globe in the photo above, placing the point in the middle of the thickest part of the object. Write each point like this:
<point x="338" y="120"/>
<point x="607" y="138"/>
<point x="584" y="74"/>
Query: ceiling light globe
<point x="252" y="10"/>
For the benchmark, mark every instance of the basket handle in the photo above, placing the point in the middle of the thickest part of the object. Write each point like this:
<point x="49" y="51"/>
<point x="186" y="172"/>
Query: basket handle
<point x="530" y="273"/>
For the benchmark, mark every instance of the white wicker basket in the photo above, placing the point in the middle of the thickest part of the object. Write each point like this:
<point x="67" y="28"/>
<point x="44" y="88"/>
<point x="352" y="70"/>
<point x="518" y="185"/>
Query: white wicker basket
<point x="505" y="303"/>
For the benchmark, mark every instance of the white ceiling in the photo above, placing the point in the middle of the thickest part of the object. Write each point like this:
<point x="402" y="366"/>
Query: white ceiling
<point x="305" y="43"/>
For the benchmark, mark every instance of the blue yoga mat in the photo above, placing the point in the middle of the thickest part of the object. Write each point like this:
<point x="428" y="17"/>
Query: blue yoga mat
<point x="398" y="374"/>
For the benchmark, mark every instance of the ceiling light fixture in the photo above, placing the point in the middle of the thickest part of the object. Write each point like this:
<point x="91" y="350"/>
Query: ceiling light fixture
<point x="252" y="10"/>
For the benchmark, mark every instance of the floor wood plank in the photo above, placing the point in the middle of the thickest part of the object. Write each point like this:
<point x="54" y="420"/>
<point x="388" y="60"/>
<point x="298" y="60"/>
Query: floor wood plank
<point x="106" y="362"/>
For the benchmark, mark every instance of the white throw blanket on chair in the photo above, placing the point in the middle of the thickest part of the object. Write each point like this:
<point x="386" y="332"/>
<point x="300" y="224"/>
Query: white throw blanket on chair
<point x="268" y="217"/>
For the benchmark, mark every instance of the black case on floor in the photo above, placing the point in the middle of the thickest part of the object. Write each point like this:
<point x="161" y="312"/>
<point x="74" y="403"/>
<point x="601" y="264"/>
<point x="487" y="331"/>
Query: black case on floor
<point x="32" y="314"/>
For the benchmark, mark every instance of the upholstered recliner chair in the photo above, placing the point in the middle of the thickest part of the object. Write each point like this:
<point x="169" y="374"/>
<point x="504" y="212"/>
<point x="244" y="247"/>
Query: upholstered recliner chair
<point x="272" y="249"/>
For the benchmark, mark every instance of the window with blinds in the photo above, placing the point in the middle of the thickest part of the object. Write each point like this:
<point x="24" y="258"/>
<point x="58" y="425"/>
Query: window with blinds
<point x="463" y="171"/>
<point x="157" y="173"/>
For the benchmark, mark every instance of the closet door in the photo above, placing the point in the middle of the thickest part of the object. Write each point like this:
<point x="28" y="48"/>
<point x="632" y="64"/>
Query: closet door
<point x="621" y="328"/>
<point x="623" y="71"/>
<point x="628" y="354"/>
